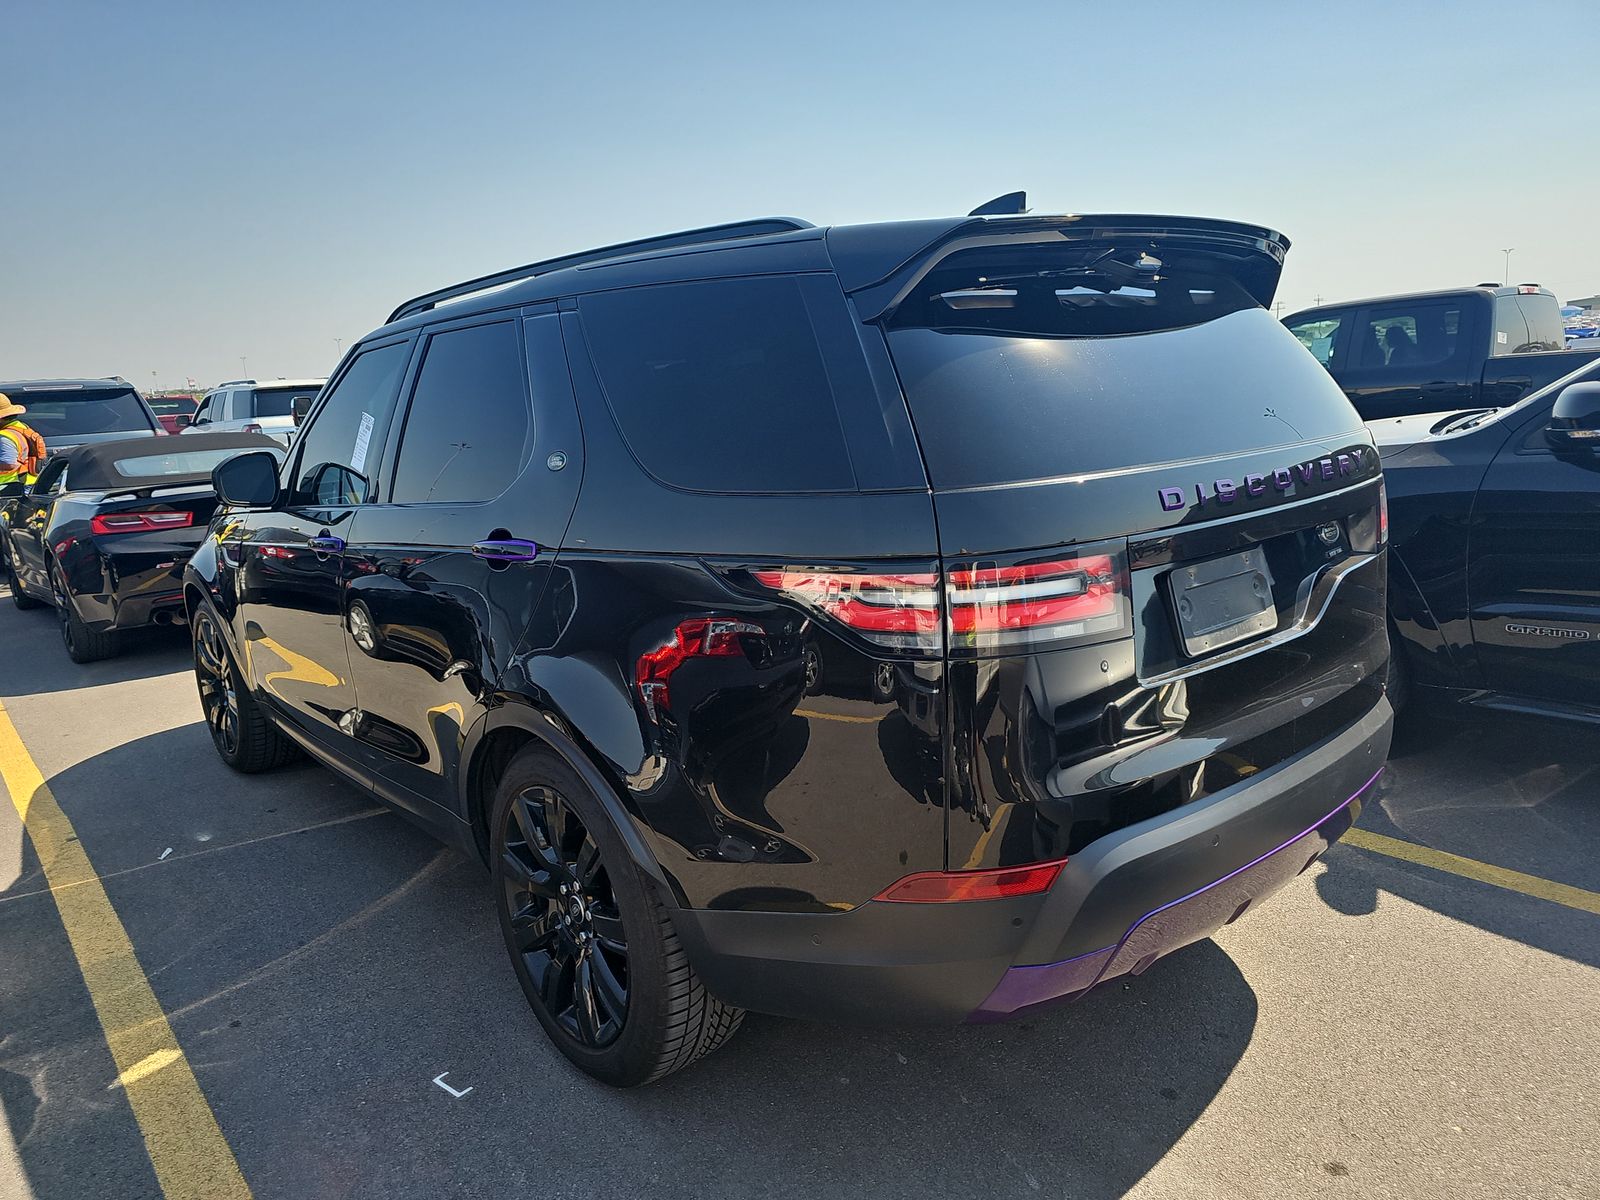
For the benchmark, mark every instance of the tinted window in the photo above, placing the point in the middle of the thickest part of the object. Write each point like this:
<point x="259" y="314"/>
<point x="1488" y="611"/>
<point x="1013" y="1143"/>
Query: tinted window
<point x="720" y="386"/>
<point x="1543" y="316"/>
<point x="1413" y="336"/>
<point x="467" y="428"/>
<point x="207" y="408"/>
<point x="279" y="402"/>
<point x="75" y="412"/>
<point x="1320" y="335"/>
<point x="1002" y="407"/>
<point x="166" y="406"/>
<point x="346" y="430"/>
<point x="1510" y="327"/>
<point x="179" y="462"/>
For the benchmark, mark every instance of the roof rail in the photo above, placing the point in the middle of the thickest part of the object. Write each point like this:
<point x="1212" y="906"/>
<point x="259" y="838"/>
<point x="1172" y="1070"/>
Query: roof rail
<point x="230" y="383"/>
<point x="759" y="227"/>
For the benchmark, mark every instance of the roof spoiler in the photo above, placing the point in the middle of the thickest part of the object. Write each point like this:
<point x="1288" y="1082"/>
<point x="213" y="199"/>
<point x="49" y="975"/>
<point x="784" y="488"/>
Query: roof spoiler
<point x="760" y="227"/>
<point x="1254" y="254"/>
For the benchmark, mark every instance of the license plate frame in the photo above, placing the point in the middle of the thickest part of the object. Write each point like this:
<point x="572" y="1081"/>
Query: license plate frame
<point x="1222" y="601"/>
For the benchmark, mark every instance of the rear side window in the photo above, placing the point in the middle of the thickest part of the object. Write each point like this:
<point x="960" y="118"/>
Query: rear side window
<point x="1510" y="327"/>
<point x="1545" y="328"/>
<point x="720" y="386"/>
<point x="1085" y="367"/>
<point x="77" y="412"/>
<point x="467" y="430"/>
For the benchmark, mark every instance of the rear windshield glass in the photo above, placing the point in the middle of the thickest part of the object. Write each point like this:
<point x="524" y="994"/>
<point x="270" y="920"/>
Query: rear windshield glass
<point x="279" y="402"/>
<point x="1019" y="371"/>
<point x="720" y="386"/>
<point x="192" y="462"/>
<point x="83" y="411"/>
<point x="166" y="406"/>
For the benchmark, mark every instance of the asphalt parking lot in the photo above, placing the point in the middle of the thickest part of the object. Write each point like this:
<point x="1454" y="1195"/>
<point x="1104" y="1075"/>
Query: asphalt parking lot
<point x="1384" y="1028"/>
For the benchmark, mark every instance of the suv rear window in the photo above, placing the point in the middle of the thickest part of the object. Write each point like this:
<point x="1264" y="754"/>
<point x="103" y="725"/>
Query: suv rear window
<point x="279" y="402"/>
<point x="77" y="412"/>
<point x="720" y="386"/>
<point x="1028" y="363"/>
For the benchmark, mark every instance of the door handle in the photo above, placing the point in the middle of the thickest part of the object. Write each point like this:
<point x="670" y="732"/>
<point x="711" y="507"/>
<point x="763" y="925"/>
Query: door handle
<point x="505" y="549"/>
<point x="326" y="543"/>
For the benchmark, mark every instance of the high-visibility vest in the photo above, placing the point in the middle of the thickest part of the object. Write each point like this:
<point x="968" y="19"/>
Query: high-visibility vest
<point x="31" y="453"/>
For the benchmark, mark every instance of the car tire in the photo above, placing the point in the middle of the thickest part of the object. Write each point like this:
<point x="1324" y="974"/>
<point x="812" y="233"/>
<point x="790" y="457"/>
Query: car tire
<point x="84" y="645"/>
<point x="1397" y="683"/>
<point x="19" y="597"/>
<point x="590" y="941"/>
<point x="243" y="735"/>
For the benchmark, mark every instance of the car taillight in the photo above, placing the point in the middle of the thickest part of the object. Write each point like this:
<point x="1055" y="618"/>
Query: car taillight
<point x="251" y="427"/>
<point x="896" y="611"/>
<point x="698" y="637"/>
<point x="140" y="522"/>
<point x="998" y="607"/>
<point x="942" y="887"/>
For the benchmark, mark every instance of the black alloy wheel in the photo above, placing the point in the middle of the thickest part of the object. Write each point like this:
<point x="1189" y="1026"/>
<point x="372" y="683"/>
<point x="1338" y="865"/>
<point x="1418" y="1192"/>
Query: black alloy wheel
<point x="84" y="645"/>
<point x="245" y="739"/>
<point x="18" y="597"/>
<point x="564" y="919"/>
<point x="591" y="942"/>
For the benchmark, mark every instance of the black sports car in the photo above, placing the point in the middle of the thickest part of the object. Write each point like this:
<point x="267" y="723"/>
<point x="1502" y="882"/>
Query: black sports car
<point x="104" y="533"/>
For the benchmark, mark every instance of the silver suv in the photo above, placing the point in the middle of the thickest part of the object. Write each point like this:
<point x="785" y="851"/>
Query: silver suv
<point x="247" y="406"/>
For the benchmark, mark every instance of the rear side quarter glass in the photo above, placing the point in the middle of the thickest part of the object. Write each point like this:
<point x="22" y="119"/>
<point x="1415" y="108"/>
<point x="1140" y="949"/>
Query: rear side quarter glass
<point x="1545" y="327"/>
<point x="720" y="386"/>
<point x="1510" y="328"/>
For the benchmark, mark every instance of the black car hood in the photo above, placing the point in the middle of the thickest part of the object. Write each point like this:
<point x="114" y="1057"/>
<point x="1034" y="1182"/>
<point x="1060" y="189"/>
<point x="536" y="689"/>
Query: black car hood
<point x="1395" y="434"/>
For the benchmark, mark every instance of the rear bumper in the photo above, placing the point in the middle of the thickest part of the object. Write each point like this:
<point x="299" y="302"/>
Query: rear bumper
<point x="1119" y="905"/>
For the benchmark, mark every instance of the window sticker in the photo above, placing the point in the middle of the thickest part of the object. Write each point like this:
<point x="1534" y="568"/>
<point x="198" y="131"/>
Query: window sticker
<point x="358" y="456"/>
<point x="1500" y="338"/>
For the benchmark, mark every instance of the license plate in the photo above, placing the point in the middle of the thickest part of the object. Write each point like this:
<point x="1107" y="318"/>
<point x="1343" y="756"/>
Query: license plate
<point x="1223" y="601"/>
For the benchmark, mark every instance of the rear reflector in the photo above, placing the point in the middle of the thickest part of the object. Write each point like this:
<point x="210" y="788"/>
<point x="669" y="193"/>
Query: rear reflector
<point x="140" y="522"/>
<point x="943" y="887"/>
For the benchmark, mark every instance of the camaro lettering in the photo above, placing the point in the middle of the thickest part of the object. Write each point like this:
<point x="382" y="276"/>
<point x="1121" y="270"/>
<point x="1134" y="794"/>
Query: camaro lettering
<point x="1282" y="479"/>
<point x="1550" y="631"/>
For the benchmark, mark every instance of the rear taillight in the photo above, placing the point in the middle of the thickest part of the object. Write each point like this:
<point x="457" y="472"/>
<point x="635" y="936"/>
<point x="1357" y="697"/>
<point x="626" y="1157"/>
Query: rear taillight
<point x="140" y="522"/>
<point x="991" y="606"/>
<point x="998" y="607"/>
<point x="898" y="612"/>
<point x="250" y="427"/>
<point x="943" y="887"/>
<point x="698" y="637"/>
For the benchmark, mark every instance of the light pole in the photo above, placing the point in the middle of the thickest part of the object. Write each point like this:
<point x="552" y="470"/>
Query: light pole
<point x="243" y="372"/>
<point x="1507" y="252"/>
<point x="338" y="345"/>
<point x="152" y="381"/>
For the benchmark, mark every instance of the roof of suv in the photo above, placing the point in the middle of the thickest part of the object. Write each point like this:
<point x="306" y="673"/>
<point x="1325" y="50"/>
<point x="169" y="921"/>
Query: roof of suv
<point x="860" y="255"/>
<point x="1486" y="289"/>
<point x="48" y="385"/>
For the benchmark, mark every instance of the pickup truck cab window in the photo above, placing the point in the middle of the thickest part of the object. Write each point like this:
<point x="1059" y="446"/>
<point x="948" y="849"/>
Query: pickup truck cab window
<point x="1322" y="335"/>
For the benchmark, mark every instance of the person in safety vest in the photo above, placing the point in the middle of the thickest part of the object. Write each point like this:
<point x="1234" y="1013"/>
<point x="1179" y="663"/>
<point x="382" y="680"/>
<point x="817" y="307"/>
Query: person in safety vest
<point x="22" y="451"/>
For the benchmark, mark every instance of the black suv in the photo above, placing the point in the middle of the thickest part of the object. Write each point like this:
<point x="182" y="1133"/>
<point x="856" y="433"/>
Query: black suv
<point x="68" y="413"/>
<point x="1079" y="552"/>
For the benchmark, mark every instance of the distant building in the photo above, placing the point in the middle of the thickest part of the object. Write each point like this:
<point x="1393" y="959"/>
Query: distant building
<point x="1587" y="302"/>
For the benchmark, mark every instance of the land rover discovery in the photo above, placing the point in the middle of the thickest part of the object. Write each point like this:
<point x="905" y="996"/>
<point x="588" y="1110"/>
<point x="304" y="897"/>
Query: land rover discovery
<point x="913" y="621"/>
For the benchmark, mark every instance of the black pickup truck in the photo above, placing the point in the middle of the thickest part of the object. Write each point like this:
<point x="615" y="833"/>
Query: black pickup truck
<point x="1480" y="347"/>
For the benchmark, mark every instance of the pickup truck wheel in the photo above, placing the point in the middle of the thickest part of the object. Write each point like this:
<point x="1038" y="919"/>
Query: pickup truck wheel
<point x="84" y="645"/>
<point x="592" y="945"/>
<point x="1398" y="682"/>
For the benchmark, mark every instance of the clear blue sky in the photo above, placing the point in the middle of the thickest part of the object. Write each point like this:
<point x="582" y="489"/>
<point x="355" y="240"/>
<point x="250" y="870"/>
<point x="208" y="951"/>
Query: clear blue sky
<point x="188" y="183"/>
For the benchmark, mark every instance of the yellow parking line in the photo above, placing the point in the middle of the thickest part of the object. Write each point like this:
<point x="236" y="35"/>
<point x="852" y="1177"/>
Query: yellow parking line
<point x="191" y="1158"/>
<point x="1471" y="868"/>
<point x="849" y="717"/>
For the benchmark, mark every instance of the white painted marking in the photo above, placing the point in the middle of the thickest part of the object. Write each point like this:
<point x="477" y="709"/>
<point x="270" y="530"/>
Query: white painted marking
<point x="439" y="1079"/>
<point x="164" y="853"/>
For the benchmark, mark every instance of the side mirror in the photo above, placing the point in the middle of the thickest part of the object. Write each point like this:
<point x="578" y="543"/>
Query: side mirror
<point x="1575" y="420"/>
<point x="247" y="480"/>
<point x="299" y="407"/>
<point x="183" y="419"/>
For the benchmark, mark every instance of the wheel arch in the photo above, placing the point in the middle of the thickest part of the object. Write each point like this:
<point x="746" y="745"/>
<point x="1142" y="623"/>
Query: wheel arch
<point x="511" y="727"/>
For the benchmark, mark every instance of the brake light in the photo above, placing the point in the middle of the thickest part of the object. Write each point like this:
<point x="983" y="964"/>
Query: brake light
<point x="942" y="887"/>
<point x="251" y="427"/>
<point x="995" y="607"/>
<point x="898" y="611"/>
<point x="140" y="522"/>
<point x="698" y="637"/>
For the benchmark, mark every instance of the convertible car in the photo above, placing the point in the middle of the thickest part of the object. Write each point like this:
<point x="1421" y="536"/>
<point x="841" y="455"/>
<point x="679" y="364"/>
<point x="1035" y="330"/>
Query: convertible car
<point x="104" y="533"/>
